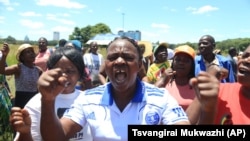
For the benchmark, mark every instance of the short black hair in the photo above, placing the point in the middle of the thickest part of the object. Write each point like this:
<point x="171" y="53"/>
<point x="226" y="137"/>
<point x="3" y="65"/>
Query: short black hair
<point x="62" y="42"/>
<point x="43" y="38"/>
<point x="72" y="54"/>
<point x="132" y="41"/>
<point x="211" y="38"/>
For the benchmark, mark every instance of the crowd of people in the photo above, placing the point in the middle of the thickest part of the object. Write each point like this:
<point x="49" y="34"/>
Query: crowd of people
<point x="70" y="94"/>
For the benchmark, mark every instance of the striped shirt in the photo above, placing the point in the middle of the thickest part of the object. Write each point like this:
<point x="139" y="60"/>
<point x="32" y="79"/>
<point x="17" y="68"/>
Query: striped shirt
<point x="149" y="106"/>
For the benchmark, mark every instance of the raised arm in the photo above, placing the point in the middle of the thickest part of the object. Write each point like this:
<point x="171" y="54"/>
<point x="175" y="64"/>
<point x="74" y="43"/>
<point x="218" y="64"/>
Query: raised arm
<point x="166" y="77"/>
<point x="5" y="50"/>
<point x="50" y="84"/>
<point x="203" y="108"/>
<point x="102" y="74"/>
<point x="10" y="70"/>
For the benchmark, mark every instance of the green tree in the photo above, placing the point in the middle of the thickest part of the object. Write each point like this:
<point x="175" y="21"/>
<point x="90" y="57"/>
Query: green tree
<point x="86" y="33"/>
<point x="100" y="28"/>
<point x="76" y="34"/>
<point x="10" y="40"/>
<point x="239" y="43"/>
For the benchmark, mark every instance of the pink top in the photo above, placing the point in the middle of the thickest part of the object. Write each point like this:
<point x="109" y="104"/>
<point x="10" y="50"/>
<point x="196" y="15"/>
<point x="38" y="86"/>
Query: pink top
<point x="42" y="58"/>
<point x="183" y="94"/>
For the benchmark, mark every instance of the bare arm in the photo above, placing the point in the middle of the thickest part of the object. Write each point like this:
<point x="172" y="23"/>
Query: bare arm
<point x="182" y="123"/>
<point x="51" y="128"/>
<point x="165" y="78"/>
<point x="193" y="111"/>
<point x="50" y="84"/>
<point x="24" y="137"/>
<point x="21" y="122"/>
<point x="5" y="50"/>
<point x="7" y="70"/>
<point x="203" y="109"/>
<point x="102" y="74"/>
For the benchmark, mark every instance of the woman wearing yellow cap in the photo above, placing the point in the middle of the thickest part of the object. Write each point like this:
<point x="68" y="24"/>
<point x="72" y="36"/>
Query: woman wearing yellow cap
<point x="176" y="79"/>
<point x="182" y="84"/>
<point x="25" y="72"/>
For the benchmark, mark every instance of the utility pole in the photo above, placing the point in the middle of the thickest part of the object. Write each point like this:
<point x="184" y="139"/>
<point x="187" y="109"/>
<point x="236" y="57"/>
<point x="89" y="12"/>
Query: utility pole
<point x="123" y="21"/>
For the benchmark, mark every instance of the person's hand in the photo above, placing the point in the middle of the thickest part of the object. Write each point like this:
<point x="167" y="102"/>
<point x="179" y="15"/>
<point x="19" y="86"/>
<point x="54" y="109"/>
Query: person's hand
<point x="220" y="72"/>
<point x="20" y="120"/>
<point x="223" y="73"/>
<point x="5" y="50"/>
<point x="206" y="87"/>
<point x="169" y="73"/>
<point x="86" y="84"/>
<point x="166" y="77"/>
<point x="51" y="83"/>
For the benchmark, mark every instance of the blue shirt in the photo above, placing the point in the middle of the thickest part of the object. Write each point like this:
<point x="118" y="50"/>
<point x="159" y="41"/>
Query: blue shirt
<point x="223" y="62"/>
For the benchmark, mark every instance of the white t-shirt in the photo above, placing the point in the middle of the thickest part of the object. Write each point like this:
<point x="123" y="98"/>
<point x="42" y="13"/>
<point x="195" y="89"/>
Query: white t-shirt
<point x="93" y="63"/>
<point x="150" y="106"/>
<point x="62" y="102"/>
<point x="1" y="55"/>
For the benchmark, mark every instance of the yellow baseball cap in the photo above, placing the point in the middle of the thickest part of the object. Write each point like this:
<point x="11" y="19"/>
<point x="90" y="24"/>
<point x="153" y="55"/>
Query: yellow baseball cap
<point x="185" y="49"/>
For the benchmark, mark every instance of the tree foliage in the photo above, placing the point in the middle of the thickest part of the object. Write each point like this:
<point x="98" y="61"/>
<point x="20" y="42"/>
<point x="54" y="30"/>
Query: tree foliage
<point x="9" y="39"/>
<point x="86" y="33"/>
<point x="239" y="43"/>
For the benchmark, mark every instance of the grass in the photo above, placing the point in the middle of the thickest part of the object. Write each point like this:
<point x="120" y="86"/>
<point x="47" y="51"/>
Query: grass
<point x="11" y="60"/>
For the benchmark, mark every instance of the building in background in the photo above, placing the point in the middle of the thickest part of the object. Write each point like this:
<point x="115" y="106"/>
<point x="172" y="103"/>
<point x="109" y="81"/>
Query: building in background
<point x="26" y="39"/>
<point x="56" y="35"/>
<point x="136" y="35"/>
